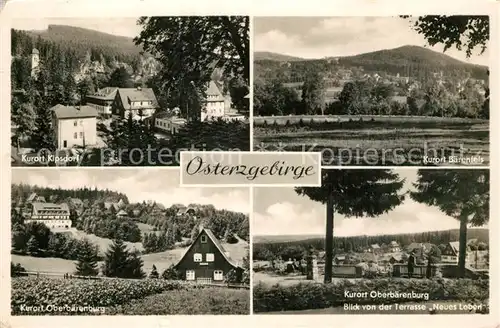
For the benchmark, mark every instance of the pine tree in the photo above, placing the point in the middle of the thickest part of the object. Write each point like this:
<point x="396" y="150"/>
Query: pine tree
<point x="87" y="257"/>
<point x="32" y="246"/>
<point x="116" y="260"/>
<point x="133" y="268"/>
<point x="154" y="272"/>
<point x="353" y="193"/>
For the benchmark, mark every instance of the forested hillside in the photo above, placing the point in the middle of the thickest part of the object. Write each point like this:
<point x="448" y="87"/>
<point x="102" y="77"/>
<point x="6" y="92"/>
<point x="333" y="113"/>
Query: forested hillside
<point x="264" y="245"/>
<point x="417" y="61"/>
<point x="177" y="223"/>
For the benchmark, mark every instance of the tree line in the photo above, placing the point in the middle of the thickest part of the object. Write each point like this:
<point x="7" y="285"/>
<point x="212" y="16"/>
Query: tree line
<point x="297" y="249"/>
<point x="369" y="97"/>
<point x="23" y="191"/>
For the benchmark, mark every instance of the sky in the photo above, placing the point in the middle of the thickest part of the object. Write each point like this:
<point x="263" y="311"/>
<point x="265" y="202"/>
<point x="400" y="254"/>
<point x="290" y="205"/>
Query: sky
<point x="160" y="185"/>
<point x="117" y="26"/>
<point x="319" y="37"/>
<point x="280" y="211"/>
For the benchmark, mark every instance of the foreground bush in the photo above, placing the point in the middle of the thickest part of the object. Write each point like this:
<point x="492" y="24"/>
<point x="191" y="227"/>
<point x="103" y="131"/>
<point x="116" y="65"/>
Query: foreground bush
<point x="41" y="292"/>
<point x="207" y="300"/>
<point x="306" y="296"/>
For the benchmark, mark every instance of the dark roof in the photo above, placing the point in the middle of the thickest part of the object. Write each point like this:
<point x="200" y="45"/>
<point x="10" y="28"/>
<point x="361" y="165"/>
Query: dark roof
<point x="61" y="111"/>
<point x="217" y="244"/>
<point x="107" y="93"/>
<point x="128" y="95"/>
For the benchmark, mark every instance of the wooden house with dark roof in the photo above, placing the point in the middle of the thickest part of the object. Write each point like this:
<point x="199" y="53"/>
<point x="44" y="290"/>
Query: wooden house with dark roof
<point x="140" y="102"/>
<point x="206" y="260"/>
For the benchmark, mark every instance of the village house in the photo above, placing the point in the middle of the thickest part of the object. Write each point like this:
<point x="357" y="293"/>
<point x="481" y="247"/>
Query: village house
<point x="121" y="214"/>
<point x="102" y="101"/>
<point x="74" y="126"/>
<point x="52" y="215"/>
<point x="451" y="251"/>
<point x="206" y="260"/>
<point x="375" y="248"/>
<point x="214" y="105"/>
<point x="33" y="197"/>
<point x="140" y="102"/>
<point x="169" y="123"/>
<point x="394" y="247"/>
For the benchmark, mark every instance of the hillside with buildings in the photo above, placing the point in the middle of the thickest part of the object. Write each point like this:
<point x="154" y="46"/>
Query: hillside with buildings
<point x="74" y="90"/>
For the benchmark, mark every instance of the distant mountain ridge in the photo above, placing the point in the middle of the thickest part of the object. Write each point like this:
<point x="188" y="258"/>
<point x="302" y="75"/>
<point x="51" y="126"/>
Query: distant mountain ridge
<point x="64" y="34"/>
<point x="267" y="55"/>
<point x="397" y="60"/>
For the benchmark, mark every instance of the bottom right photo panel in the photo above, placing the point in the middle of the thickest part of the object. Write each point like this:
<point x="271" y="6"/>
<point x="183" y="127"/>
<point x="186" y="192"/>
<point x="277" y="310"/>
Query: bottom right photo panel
<point x="374" y="241"/>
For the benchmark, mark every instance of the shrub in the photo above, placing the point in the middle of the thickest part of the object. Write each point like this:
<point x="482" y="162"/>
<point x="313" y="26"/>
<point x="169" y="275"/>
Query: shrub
<point x="231" y="239"/>
<point x="171" y="273"/>
<point x="16" y="270"/>
<point x="305" y="296"/>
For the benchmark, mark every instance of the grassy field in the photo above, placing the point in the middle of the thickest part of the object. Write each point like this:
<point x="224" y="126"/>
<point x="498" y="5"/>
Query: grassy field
<point x="375" y="140"/>
<point x="191" y="301"/>
<point x="161" y="260"/>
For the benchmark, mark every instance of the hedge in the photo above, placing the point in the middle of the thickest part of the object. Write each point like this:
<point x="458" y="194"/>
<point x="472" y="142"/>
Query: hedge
<point x="304" y="296"/>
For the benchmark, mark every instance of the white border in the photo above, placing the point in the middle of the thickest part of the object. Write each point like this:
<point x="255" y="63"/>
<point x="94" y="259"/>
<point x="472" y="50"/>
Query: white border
<point x="88" y="8"/>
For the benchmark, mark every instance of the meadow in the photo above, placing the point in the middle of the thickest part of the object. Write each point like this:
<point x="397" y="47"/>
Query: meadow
<point x="375" y="140"/>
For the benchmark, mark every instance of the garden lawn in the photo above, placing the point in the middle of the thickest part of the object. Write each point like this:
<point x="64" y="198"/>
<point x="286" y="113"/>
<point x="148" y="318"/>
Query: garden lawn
<point x="374" y="143"/>
<point x="210" y="300"/>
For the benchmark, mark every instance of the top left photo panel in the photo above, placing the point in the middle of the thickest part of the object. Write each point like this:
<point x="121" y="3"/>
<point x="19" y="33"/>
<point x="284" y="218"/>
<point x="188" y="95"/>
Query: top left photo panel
<point x="128" y="91"/>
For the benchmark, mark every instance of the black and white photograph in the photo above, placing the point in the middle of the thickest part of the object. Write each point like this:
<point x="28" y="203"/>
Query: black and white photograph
<point x="126" y="242"/>
<point x="128" y="91"/>
<point x="397" y="241"/>
<point x="374" y="91"/>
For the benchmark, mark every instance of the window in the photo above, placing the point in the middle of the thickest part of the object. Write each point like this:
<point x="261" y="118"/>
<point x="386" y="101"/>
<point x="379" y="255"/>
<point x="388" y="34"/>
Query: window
<point x="197" y="257"/>
<point x="75" y="135"/>
<point x="210" y="257"/>
<point x="81" y="122"/>
<point x="218" y="275"/>
<point x="190" y="275"/>
<point x="81" y="135"/>
<point x="204" y="239"/>
<point x="75" y="123"/>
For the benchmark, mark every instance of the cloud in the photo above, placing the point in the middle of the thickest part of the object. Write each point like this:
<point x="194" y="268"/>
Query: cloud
<point x="343" y="36"/>
<point x="286" y="218"/>
<point x="276" y="41"/>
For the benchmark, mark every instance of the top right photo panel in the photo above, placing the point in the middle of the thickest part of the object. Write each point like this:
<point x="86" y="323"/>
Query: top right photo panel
<point x="374" y="91"/>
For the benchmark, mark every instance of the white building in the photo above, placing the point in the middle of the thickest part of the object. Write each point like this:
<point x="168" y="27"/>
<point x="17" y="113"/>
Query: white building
<point x="170" y="124"/>
<point x="74" y="126"/>
<point x="214" y="105"/>
<point x="52" y="215"/>
<point x="35" y="62"/>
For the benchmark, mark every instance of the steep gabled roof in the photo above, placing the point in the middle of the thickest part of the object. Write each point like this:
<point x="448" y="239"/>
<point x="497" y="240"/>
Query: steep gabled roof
<point x="213" y="92"/>
<point x="217" y="244"/>
<point x="128" y="95"/>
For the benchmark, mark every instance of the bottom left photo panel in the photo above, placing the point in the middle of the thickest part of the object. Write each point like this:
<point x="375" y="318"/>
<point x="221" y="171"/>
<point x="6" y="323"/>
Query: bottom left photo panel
<point x="126" y="242"/>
